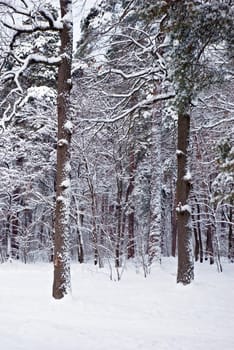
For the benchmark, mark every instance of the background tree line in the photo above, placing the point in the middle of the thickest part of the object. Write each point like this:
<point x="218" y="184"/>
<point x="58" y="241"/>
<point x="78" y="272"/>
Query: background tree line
<point x="151" y="116"/>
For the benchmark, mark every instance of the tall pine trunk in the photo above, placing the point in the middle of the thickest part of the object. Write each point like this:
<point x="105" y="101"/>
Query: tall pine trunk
<point x="185" y="272"/>
<point x="61" y="284"/>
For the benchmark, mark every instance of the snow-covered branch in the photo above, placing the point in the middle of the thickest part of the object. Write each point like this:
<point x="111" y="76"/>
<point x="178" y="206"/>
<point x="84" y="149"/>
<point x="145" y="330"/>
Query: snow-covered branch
<point x="146" y="103"/>
<point x="25" y="11"/>
<point x="14" y="74"/>
<point x="143" y="72"/>
<point x="40" y="18"/>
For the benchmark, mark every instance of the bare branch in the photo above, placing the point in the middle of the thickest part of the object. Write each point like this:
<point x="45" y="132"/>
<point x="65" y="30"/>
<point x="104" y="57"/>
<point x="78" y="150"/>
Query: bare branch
<point x="132" y="75"/>
<point x="146" y="103"/>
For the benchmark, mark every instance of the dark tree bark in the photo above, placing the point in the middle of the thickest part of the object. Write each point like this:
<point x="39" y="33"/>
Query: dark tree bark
<point x="209" y="245"/>
<point x="61" y="285"/>
<point x="196" y="249"/>
<point x="119" y="224"/>
<point x="174" y="228"/>
<point x="230" y="234"/>
<point x="80" y="249"/>
<point x="155" y="234"/>
<point x="185" y="272"/>
<point x="131" y="214"/>
<point x="199" y="233"/>
<point x="14" y="237"/>
<point x="94" y="224"/>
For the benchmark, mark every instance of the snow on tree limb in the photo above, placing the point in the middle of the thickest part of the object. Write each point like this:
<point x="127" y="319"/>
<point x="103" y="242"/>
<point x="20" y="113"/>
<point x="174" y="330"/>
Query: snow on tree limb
<point x="25" y="11"/>
<point x="134" y="74"/>
<point x="14" y="74"/>
<point x="23" y="18"/>
<point x="47" y="22"/>
<point x="146" y="103"/>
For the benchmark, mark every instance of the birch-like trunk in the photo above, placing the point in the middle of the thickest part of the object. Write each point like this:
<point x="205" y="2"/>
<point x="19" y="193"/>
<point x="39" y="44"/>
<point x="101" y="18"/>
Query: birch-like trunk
<point x="155" y="234"/>
<point x="61" y="285"/>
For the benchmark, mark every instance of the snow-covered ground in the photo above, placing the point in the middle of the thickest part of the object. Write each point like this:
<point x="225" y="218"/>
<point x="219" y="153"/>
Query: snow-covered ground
<point x="136" y="313"/>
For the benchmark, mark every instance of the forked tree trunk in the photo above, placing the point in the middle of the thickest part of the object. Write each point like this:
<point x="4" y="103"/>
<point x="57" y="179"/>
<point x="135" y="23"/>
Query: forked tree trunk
<point x="61" y="284"/>
<point x="185" y="272"/>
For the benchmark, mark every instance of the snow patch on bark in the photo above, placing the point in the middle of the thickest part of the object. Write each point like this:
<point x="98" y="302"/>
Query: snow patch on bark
<point x="183" y="208"/>
<point x="187" y="176"/>
<point x="68" y="126"/>
<point x="62" y="142"/>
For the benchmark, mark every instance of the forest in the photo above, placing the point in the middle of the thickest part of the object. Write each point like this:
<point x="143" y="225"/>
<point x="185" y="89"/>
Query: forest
<point x="116" y="139"/>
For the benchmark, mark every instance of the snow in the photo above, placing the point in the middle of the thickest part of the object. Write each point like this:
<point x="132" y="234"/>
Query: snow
<point x="67" y="18"/>
<point x="188" y="176"/>
<point x="66" y="183"/>
<point x="179" y="152"/>
<point x="68" y="126"/>
<point x="81" y="10"/>
<point x="183" y="208"/>
<point x="135" y="313"/>
<point x="62" y="142"/>
<point x="40" y="93"/>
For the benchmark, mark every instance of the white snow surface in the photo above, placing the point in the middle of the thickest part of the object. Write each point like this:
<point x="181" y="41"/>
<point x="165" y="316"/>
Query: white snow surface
<point x="136" y="313"/>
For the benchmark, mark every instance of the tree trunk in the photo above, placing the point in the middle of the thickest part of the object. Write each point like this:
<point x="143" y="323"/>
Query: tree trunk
<point x="155" y="234"/>
<point x="209" y="245"/>
<point x="199" y="233"/>
<point x="196" y="249"/>
<point x="185" y="272"/>
<point x="119" y="224"/>
<point x="13" y="249"/>
<point x="94" y="224"/>
<point x="79" y="224"/>
<point x="173" y="228"/>
<point x="130" y="203"/>
<point x="230" y="234"/>
<point x="61" y="285"/>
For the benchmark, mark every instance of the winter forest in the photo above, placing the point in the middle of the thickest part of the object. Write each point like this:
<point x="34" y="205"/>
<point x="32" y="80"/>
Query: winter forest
<point x="116" y="138"/>
<point x="117" y="174"/>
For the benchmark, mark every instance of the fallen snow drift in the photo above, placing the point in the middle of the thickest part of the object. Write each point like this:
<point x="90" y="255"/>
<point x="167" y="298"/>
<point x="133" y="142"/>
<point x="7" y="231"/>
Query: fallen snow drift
<point x="136" y="313"/>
